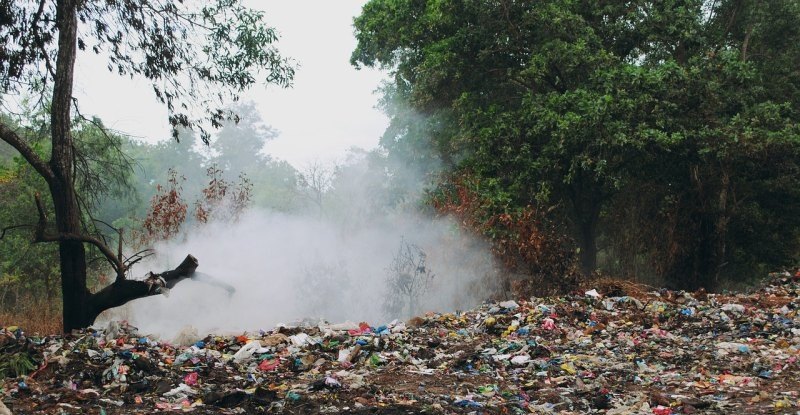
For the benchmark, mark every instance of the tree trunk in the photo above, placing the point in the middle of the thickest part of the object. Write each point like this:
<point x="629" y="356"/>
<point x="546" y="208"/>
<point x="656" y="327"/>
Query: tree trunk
<point x="74" y="295"/>
<point x="703" y="258"/>
<point x="62" y="185"/>
<point x="587" y="198"/>
<point x="588" y="245"/>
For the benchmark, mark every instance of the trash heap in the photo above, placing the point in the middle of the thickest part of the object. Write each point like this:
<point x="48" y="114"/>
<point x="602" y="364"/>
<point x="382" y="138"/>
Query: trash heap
<point x="596" y="351"/>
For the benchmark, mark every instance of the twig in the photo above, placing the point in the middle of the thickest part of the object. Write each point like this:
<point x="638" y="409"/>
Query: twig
<point x="9" y="228"/>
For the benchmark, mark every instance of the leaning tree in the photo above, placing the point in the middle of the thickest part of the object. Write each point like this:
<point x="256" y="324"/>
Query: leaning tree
<point x="197" y="57"/>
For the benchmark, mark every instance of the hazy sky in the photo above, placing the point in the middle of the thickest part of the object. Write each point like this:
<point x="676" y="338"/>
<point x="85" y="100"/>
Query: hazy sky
<point x="329" y="109"/>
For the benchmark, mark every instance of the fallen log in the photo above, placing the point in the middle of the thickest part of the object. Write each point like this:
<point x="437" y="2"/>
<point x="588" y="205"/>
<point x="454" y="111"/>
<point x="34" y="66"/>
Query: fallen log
<point x="122" y="291"/>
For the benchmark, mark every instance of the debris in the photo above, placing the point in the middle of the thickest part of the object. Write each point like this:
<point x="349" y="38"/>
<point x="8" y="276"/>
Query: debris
<point x="509" y="305"/>
<point x="593" y="293"/>
<point x="646" y="352"/>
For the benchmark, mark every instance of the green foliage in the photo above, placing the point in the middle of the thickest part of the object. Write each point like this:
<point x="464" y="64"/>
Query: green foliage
<point x="16" y="364"/>
<point x="25" y="267"/>
<point x="103" y="168"/>
<point x="670" y="124"/>
<point x="197" y="56"/>
<point x="239" y="149"/>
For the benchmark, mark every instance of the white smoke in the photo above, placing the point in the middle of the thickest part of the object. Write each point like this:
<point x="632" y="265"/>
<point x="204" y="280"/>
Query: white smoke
<point x="286" y="268"/>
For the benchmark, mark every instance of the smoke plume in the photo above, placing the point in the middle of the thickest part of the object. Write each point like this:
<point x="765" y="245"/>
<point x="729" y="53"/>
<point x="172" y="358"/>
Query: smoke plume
<point x="287" y="268"/>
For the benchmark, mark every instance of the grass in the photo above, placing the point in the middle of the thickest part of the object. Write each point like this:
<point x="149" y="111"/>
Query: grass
<point x="16" y="364"/>
<point x="33" y="317"/>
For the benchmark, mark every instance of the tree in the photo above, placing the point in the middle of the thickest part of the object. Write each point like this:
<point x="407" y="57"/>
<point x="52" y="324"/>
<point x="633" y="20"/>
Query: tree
<point x="105" y="174"/>
<point x="493" y="79"/>
<point x="221" y="200"/>
<point x="240" y="144"/>
<point x="576" y="106"/>
<point x="167" y="211"/>
<point x="196" y="58"/>
<point x="408" y="279"/>
<point x="154" y="161"/>
<point x="239" y="150"/>
<point x="314" y="181"/>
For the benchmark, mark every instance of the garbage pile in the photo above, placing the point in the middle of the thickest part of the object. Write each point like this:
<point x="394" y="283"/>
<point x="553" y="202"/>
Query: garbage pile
<point x="613" y="352"/>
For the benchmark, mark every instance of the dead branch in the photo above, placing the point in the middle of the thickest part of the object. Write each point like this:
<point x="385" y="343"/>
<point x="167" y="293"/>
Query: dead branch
<point x="133" y="259"/>
<point x="123" y="291"/>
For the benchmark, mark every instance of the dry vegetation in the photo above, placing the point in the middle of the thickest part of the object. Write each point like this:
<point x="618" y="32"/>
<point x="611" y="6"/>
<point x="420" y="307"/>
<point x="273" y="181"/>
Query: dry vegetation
<point x="34" y="316"/>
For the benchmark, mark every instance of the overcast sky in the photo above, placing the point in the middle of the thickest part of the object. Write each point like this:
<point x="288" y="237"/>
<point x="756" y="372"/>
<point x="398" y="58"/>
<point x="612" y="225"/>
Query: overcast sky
<point x="329" y="109"/>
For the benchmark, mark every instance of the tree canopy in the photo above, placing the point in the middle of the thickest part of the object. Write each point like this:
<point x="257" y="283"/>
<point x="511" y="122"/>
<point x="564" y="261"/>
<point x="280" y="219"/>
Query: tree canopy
<point x="198" y="57"/>
<point x="663" y="135"/>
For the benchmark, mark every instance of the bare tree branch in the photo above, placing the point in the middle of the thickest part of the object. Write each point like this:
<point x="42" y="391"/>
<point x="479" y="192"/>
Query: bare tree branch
<point x="11" y="137"/>
<point x="105" y="223"/>
<point x="136" y="258"/>
<point x="143" y="253"/>
<point x="42" y="236"/>
<point x="9" y="228"/>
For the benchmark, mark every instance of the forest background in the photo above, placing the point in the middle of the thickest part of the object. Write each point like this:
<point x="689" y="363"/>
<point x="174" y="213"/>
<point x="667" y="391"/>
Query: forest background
<point x="654" y="141"/>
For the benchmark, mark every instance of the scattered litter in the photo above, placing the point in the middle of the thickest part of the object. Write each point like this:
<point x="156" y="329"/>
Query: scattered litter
<point x="617" y="353"/>
<point x="593" y="293"/>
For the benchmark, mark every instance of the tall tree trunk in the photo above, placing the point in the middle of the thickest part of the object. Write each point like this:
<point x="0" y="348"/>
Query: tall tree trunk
<point x="707" y="230"/>
<point x="587" y="197"/>
<point x="588" y="245"/>
<point x="701" y="274"/>
<point x="74" y="293"/>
